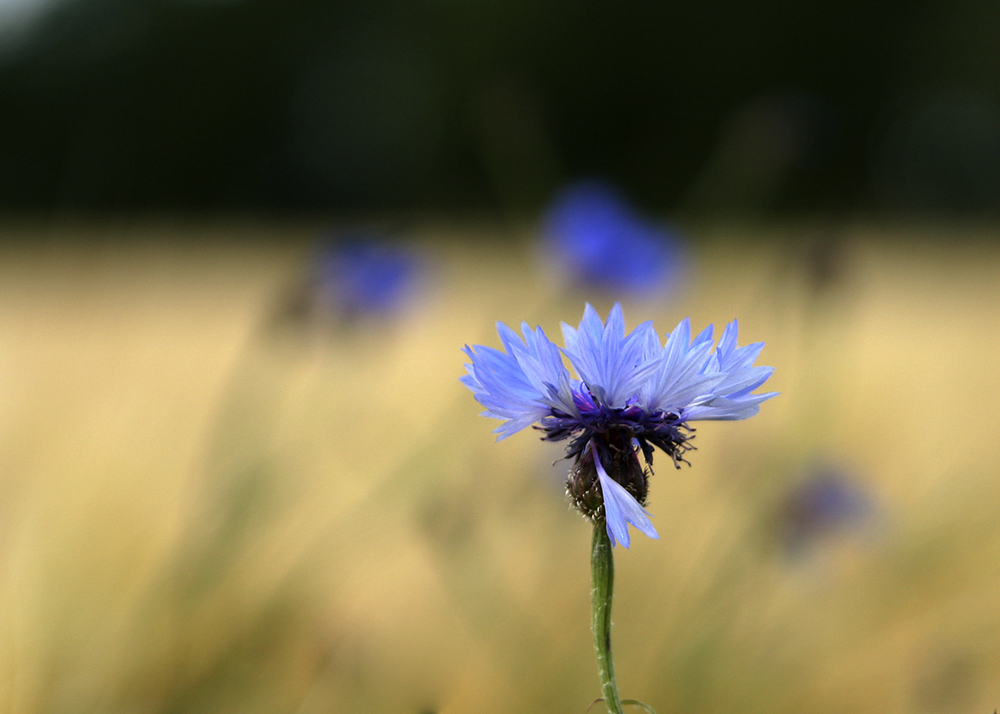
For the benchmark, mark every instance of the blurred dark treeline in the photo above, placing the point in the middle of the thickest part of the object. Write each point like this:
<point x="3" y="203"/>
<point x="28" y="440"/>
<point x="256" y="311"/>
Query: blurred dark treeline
<point x="469" y="104"/>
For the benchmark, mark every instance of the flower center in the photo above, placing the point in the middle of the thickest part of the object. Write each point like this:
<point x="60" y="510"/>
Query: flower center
<point x="616" y="427"/>
<point x="619" y="434"/>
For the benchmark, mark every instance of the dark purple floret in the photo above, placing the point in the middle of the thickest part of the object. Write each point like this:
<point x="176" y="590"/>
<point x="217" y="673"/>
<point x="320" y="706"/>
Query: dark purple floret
<point x="618" y="433"/>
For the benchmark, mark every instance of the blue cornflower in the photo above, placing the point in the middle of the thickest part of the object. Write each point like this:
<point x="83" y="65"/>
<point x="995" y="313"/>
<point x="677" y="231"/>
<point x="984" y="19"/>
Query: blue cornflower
<point x="600" y="240"/>
<point x="828" y="502"/>
<point x="631" y="394"/>
<point x="366" y="276"/>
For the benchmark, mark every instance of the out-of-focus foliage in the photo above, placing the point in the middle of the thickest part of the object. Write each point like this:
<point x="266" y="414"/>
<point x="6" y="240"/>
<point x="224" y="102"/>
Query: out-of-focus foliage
<point x="287" y="104"/>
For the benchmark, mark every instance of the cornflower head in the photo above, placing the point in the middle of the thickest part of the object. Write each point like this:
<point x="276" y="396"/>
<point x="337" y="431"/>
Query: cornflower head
<point x="631" y="395"/>
<point x="598" y="239"/>
<point x="365" y="276"/>
<point x="829" y="502"/>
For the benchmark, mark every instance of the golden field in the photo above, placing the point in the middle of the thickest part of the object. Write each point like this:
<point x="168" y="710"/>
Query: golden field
<point x="209" y="503"/>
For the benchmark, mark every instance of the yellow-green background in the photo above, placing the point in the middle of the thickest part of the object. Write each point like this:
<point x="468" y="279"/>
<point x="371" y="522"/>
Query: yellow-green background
<point x="209" y="506"/>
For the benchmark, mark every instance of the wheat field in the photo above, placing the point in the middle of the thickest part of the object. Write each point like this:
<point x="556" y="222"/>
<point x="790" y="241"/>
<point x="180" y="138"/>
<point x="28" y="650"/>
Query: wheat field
<point x="210" y="503"/>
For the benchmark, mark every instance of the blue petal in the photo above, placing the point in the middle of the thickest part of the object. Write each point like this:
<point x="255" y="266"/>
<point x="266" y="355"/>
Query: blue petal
<point x="620" y="508"/>
<point x="521" y="385"/>
<point x="612" y="365"/>
<point x="681" y="377"/>
<point x="725" y="409"/>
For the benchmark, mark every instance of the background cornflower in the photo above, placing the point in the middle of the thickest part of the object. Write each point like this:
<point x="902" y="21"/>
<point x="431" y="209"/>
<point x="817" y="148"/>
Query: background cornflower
<point x="827" y="503"/>
<point x="364" y="275"/>
<point x="598" y="239"/>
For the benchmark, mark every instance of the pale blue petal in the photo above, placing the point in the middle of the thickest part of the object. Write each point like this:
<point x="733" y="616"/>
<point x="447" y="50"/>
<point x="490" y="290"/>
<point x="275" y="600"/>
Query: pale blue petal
<point x="685" y="392"/>
<point x="704" y="336"/>
<point x="620" y="508"/>
<point x="613" y="365"/>
<point x="728" y="340"/>
<point x="521" y="385"/>
<point x="679" y="376"/>
<point x="744" y="382"/>
<point x="724" y="409"/>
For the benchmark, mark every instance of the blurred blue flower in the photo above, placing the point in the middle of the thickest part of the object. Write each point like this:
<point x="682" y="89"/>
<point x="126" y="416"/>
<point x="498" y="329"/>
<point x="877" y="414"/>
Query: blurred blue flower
<point x="364" y="276"/>
<point x="631" y="394"/>
<point x="827" y="502"/>
<point x="600" y="240"/>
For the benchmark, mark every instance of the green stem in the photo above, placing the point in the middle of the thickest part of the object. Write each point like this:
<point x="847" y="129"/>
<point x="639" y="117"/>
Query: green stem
<point x="602" y="569"/>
